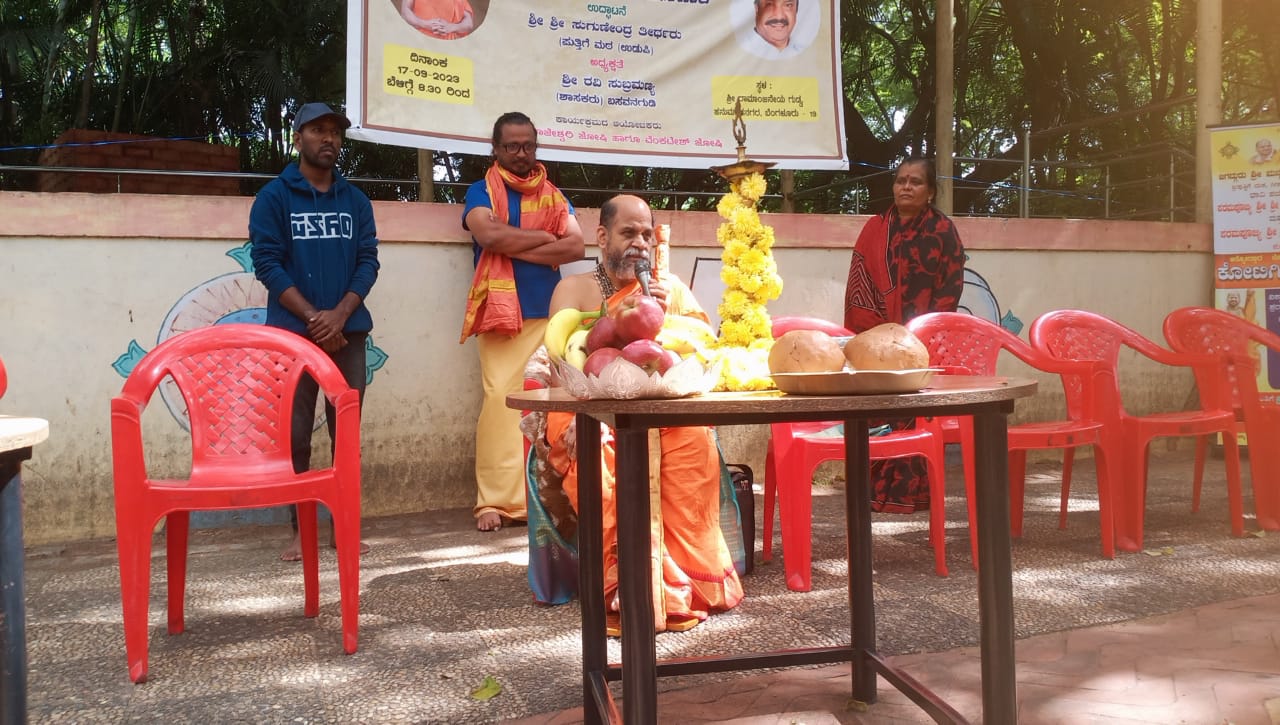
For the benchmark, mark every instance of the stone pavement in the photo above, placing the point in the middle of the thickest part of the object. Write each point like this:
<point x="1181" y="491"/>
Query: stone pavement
<point x="1185" y="633"/>
<point x="1219" y="663"/>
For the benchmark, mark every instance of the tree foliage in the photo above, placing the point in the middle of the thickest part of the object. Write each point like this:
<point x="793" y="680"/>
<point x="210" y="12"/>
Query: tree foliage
<point x="1100" y="87"/>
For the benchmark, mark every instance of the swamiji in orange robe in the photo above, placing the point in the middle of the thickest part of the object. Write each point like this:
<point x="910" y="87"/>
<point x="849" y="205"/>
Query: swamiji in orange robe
<point x="688" y="549"/>
<point x="443" y="19"/>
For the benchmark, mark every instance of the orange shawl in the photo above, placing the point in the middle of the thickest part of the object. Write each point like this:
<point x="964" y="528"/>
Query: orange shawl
<point x="492" y="305"/>
<point x="450" y="11"/>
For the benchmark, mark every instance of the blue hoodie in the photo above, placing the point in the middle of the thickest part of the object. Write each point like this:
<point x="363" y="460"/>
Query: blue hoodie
<point x="324" y="244"/>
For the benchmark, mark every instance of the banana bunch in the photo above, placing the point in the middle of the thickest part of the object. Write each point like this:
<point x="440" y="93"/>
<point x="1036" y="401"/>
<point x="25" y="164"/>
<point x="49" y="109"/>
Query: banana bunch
<point x="686" y="335"/>
<point x="566" y="335"/>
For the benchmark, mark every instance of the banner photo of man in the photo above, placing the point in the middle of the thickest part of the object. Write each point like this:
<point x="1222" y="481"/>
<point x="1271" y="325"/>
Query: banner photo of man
<point x="1246" y="234"/>
<point x="650" y="83"/>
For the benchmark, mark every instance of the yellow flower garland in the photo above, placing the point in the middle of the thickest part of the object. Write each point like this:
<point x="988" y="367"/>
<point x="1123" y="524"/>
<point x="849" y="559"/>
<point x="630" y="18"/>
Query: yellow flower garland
<point x="751" y="279"/>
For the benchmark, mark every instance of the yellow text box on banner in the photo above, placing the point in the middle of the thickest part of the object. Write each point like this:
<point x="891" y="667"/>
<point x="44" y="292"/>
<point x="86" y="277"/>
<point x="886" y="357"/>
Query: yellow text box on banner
<point x="416" y="73"/>
<point x="776" y="98"/>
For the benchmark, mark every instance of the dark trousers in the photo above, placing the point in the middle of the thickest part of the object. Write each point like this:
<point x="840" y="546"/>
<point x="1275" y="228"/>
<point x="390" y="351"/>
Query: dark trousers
<point x="351" y="361"/>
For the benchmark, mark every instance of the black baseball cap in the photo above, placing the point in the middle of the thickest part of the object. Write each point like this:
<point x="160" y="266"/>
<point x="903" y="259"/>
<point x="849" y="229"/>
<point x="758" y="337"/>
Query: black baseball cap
<point x="312" y="111"/>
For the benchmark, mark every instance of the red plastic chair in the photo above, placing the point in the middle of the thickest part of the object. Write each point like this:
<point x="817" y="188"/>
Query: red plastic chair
<point x="238" y="383"/>
<point x="959" y="341"/>
<point x="1078" y="335"/>
<point x="783" y="324"/>
<point x="1210" y="331"/>
<point x="796" y="449"/>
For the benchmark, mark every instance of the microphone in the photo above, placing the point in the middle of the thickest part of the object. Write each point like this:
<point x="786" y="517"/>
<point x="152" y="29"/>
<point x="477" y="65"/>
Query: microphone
<point x="644" y="273"/>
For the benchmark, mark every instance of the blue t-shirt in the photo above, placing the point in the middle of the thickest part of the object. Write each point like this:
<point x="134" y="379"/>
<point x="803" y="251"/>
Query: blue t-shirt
<point x="534" y="282"/>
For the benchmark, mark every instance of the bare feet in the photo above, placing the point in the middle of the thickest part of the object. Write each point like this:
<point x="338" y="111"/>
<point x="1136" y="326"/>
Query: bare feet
<point x="364" y="548"/>
<point x="488" y="521"/>
<point x="294" y="550"/>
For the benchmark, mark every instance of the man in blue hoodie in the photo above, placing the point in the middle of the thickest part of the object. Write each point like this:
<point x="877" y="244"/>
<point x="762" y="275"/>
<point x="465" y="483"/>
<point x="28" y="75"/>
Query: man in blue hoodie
<point x="315" y="249"/>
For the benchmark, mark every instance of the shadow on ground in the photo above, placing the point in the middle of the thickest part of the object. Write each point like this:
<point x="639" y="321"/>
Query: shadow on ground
<point x="444" y="606"/>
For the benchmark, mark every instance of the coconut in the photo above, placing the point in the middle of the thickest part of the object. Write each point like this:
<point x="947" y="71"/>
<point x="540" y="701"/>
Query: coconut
<point x="805" y="351"/>
<point x="886" y="347"/>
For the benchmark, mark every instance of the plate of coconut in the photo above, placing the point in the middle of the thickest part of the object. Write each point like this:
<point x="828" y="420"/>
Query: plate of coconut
<point x="854" y="382"/>
<point x="885" y="359"/>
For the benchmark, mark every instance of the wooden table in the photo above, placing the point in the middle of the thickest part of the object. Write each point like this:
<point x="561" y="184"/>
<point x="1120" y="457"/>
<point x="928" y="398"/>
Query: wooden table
<point x="17" y="436"/>
<point x="988" y="399"/>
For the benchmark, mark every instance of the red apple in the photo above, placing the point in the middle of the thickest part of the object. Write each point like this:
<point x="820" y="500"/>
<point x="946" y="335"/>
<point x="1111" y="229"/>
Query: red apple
<point x="602" y="334"/>
<point x="600" y="358"/>
<point x="669" y="358"/>
<point x="645" y="354"/>
<point x="638" y="317"/>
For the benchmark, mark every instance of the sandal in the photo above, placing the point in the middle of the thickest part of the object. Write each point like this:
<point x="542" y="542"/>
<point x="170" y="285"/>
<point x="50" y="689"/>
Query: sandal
<point x="682" y="623"/>
<point x="675" y="623"/>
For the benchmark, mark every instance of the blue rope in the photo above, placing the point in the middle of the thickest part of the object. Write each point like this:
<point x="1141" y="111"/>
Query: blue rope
<point x="41" y="147"/>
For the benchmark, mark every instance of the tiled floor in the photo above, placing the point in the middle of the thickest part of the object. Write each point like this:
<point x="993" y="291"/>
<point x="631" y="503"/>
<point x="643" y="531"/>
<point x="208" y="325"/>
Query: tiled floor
<point x="1188" y="633"/>
<point x="1210" y="665"/>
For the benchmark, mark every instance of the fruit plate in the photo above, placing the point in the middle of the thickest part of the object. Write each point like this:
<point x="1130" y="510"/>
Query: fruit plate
<point x="624" y="380"/>
<point x="854" y="382"/>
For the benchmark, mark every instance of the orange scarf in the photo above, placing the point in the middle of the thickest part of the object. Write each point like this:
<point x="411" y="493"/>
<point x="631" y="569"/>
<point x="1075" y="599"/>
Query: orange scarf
<point x="492" y="305"/>
<point x="450" y="11"/>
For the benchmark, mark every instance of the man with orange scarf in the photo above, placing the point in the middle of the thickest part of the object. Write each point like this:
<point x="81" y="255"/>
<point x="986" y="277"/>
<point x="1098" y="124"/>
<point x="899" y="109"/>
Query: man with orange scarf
<point x="522" y="229"/>
<point x="696" y="567"/>
<point x="442" y="19"/>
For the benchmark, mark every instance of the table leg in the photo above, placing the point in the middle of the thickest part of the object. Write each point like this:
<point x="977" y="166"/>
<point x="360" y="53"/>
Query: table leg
<point x="590" y="565"/>
<point x="635" y="590"/>
<point x="862" y="606"/>
<point x="995" y="573"/>
<point x="13" y="627"/>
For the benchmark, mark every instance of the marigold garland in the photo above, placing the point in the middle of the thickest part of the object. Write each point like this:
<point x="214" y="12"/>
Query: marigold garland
<point x="751" y="279"/>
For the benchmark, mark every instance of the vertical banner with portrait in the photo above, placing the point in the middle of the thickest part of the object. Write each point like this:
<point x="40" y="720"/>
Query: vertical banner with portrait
<point x="636" y="82"/>
<point x="1246" y="235"/>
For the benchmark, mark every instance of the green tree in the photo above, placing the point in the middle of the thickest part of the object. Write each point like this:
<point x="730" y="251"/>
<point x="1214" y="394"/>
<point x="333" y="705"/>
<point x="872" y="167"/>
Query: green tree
<point x="1094" y="83"/>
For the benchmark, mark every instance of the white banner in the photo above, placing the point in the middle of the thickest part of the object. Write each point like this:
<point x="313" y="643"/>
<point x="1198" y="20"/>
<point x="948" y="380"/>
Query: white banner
<point x="640" y="83"/>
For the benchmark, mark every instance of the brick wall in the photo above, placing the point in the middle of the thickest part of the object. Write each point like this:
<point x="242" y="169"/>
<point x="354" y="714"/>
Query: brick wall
<point x="86" y="149"/>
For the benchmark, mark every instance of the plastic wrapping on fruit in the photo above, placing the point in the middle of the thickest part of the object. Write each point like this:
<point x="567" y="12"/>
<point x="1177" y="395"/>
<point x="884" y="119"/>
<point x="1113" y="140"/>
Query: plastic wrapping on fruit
<point x="623" y="380"/>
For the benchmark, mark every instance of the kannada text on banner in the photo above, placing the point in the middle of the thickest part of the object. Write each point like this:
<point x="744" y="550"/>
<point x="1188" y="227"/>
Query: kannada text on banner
<point x="647" y="82"/>
<point x="1246" y="234"/>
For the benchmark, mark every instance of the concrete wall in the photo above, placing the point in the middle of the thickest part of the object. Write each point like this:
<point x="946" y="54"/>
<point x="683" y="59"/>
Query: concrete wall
<point x="85" y="275"/>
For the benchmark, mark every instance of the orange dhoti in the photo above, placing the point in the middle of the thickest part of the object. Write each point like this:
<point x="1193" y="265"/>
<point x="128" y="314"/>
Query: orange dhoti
<point x="697" y="573"/>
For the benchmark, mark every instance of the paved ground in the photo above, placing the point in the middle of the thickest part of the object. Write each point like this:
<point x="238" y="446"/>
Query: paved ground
<point x="1188" y="635"/>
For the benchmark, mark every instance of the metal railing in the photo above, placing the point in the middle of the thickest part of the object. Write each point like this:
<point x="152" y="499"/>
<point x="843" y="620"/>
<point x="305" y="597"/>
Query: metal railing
<point x="377" y="188"/>
<point x="1153" y="183"/>
<point x="1157" y="182"/>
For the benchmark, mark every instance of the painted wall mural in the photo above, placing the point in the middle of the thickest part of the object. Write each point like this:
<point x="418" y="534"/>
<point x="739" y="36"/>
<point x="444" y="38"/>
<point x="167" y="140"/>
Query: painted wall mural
<point x="225" y="299"/>
<point x="979" y="300"/>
